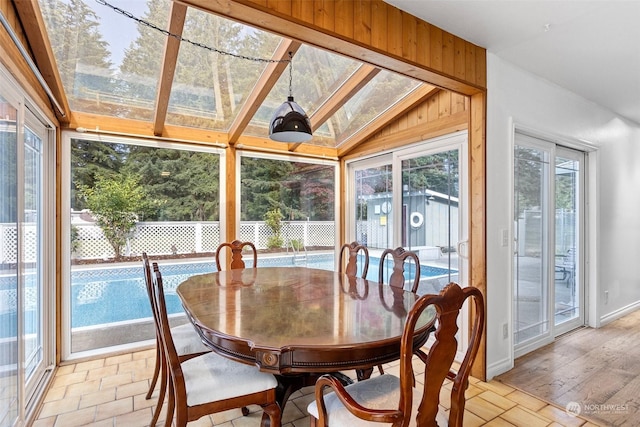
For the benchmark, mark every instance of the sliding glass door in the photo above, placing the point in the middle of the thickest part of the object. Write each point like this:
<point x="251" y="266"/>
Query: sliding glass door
<point x="26" y="315"/>
<point x="568" y="278"/>
<point x="431" y="214"/>
<point x="548" y="218"/>
<point x="32" y="237"/>
<point x="413" y="198"/>
<point x="9" y="288"/>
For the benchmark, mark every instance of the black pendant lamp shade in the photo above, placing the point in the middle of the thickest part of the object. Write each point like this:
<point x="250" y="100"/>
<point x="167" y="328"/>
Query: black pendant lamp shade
<point x="289" y="122"/>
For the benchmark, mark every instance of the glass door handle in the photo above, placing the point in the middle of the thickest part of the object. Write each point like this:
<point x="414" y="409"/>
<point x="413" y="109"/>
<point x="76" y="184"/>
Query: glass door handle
<point x="462" y="249"/>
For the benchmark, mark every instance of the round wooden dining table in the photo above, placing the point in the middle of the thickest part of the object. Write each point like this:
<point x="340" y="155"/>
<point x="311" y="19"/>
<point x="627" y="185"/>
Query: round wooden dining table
<point x="298" y="322"/>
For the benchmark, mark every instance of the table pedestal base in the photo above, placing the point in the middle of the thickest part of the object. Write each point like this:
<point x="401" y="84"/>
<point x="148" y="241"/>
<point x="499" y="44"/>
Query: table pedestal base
<point x="289" y="384"/>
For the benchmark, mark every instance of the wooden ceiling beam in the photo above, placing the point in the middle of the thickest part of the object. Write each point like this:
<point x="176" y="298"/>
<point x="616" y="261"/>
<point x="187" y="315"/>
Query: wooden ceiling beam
<point x="100" y="124"/>
<point x="414" y="98"/>
<point x="40" y="47"/>
<point x="177" y="16"/>
<point x="345" y="92"/>
<point x="339" y="97"/>
<point x="265" y="145"/>
<point x="263" y="86"/>
<point x="315" y="26"/>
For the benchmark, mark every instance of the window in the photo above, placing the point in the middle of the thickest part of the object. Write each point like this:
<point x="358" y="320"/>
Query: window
<point x="127" y="197"/>
<point x="288" y="210"/>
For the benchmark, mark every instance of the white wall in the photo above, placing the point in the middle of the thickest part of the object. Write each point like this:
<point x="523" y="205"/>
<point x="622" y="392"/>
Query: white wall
<point x="518" y="97"/>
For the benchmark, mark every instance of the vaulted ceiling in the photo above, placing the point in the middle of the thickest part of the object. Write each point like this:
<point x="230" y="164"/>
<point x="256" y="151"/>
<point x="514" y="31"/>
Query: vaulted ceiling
<point x="164" y="69"/>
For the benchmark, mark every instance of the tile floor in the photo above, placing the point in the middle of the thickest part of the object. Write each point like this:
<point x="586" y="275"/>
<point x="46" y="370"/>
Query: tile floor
<point x="111" y="391"/>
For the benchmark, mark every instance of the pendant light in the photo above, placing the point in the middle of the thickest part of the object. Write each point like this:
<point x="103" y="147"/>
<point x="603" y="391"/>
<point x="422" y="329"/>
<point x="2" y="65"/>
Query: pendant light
<point x="290" y="123"/>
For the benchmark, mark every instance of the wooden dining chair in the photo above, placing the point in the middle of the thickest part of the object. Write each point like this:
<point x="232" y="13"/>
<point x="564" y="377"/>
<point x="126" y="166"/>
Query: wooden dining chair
<point x="397" y="278"/>
<point x="236" y="248"/>
<point x="186" y="340"/>
<point x="351" y="251"/>
<point x="210" y="383"/>
<point x="402" y="401"/>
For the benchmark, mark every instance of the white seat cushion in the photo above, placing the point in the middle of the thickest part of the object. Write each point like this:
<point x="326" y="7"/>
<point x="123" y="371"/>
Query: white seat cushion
<point x="187" y="340"/>
<point x="212" y="377"/>
<point x="381" y="392"/>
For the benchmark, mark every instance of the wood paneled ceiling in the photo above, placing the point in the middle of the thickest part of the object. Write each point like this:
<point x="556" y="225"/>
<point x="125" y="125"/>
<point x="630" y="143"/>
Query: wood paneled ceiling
<point x="110" y="72"/>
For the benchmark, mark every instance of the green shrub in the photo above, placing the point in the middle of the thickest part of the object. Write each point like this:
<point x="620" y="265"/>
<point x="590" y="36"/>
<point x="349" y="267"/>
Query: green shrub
<point x="297" y="244"/>
<point x="274" y="242"/>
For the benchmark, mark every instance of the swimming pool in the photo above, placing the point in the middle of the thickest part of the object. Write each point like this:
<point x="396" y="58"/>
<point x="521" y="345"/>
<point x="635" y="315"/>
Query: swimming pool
<point x="118" y="294"/>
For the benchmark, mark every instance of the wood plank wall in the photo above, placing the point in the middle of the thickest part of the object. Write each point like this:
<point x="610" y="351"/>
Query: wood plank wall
<point x="444" y="113"/>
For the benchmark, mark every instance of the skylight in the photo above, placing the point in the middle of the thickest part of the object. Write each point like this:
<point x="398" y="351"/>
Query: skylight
<point x="114" y="65"/>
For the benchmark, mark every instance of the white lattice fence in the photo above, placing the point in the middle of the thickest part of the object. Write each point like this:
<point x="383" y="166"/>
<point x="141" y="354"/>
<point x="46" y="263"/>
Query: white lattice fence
<point x="310" y="233"/>
<point x="8" y="252"/>
<point x="320" y="234"/>
<point x="91" y="243"/>
<point x="256" y="232"/>
<point x="9" y="243"/>
<point x="30" y="243"/>
<point x="166" y="237"/>
<point x="157" y="238"/>
<point x="210" y="236"/>
<point x="293" y="231"/>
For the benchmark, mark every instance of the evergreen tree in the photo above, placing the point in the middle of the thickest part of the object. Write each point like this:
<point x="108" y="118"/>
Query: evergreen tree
<point x="528" y="176"/>
<point x="138" y="76"/>
<point x="90" y="159"/>
<point x="311" y="193"/>
<point x="208" y="85"/>
<point x="263" y="188"/>
<point x="183" y="185"/>
<point x="82" y="55"/>
<point x="436" y="172"/>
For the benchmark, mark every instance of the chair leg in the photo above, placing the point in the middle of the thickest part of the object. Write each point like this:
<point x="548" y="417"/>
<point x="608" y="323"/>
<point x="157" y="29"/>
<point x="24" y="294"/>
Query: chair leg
<point x="161" y="394"/>
<point x="313" y="422"/>
<point x="380" y="369"/>
<point x="156" y="371"/>
<point x="275" y="414"/>
<point x="172" y="404"/>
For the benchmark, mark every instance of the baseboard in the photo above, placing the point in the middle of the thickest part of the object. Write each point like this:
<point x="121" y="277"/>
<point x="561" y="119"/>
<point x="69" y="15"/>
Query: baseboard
<point x="615" y="315"/>
<point x="498" y="368"/>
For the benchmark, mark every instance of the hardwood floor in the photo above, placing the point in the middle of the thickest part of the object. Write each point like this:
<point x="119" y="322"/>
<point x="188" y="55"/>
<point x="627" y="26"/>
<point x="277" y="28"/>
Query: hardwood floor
<point x="599" y="369"/>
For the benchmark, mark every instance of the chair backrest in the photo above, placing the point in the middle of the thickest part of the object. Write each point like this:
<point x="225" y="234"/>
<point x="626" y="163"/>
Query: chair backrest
<point x="236" y="254"/>
<point x="441" y="355"/>
<point x="352" y="249"/>
<point x="148" y="281"/>
<point x="166" y="338"/>
<point x="397" y="278"/>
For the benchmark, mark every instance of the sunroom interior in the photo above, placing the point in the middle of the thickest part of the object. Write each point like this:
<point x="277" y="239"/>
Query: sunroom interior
<point x="209" y="75"/>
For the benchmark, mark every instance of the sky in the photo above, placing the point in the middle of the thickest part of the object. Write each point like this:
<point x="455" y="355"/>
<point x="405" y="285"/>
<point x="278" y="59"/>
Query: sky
<point x="118" y="30"/>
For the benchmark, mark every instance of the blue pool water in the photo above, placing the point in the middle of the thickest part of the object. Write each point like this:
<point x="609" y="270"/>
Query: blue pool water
<point x="108" y="295"/>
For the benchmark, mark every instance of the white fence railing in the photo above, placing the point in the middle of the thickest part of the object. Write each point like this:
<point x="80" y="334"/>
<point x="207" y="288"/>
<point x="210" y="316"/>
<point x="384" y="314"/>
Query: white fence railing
<point x="159" y="238"/>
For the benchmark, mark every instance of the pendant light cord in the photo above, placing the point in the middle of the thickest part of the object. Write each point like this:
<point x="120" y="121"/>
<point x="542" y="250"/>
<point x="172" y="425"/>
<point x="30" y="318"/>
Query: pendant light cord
<point x="291" y="75"/>
<point x="191" y="42"/>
